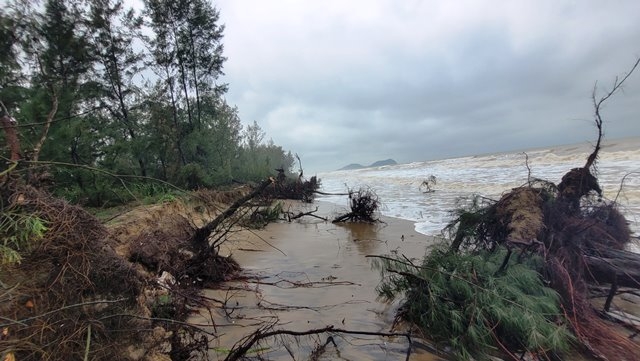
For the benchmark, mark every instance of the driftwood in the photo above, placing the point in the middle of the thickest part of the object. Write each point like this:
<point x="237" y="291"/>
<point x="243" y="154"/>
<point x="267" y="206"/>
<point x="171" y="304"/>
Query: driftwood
<point x="331" y="194"/>
<point x="291" y="216"/>
<point x="241" y="348"/>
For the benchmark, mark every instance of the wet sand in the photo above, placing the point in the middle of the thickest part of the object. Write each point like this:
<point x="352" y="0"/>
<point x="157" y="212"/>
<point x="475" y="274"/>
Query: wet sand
<point x="311" y="274"/>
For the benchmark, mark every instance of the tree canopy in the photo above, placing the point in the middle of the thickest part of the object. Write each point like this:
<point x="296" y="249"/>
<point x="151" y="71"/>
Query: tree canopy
<point x="95" y="84"/>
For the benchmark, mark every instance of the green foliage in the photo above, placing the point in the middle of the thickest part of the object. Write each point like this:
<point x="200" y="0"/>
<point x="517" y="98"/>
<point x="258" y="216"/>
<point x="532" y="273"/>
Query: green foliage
<point x="263" y="216"/>
<point x="463" y="300"/>
<point x="19" y="232"/>
<point x="153" y="192"/>
<point x="89" y="59"/>
<point x="193" y="176"/>
<point x="258" y="159"/>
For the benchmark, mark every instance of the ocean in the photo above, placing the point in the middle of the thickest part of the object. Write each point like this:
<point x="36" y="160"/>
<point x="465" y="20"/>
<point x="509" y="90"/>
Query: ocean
<point x="398" y="187"/>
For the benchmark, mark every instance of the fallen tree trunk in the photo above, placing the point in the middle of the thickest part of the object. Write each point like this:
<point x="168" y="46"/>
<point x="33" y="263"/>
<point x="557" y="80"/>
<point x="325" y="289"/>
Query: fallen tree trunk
<point x="201" y="235"/>
<point x="615" y="267"/>
<point x="291" y="216"/>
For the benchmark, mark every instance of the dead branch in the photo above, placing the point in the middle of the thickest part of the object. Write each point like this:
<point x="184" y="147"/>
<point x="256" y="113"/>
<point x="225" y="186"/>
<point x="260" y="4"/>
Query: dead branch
<point x="615" y="200"/>
<point x="331" y="194"/>
<point x="291" y="216"/>
<point x="272" y="306"/>
<point x="617" y="85"/>
<point x="317" y="284"/>
<point x="427" y="185"/>
<point x="318" y="351"/>
<point x="47" y="126"/>
<point x="300" y="175"/>
<point x="82" y="304"/>
<point x="241" y="348"/>
<point x="526" y="163"/>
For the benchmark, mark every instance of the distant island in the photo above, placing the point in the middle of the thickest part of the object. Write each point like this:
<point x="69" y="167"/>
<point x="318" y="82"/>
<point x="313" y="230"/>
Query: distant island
<point x="379" y="163"/>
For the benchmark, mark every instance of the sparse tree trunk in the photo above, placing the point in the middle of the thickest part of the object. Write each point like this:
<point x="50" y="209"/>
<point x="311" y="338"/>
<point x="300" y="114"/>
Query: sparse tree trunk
<point x="47" y="126"/>
<point x="176" y="124"/>
<point x="9" y="127"/>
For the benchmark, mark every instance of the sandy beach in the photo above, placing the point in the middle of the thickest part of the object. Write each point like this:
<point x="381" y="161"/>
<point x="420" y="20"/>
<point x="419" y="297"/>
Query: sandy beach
<point x="311" y="274"/>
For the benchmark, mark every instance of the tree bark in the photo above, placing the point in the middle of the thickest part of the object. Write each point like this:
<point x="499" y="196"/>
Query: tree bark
<point x="47" y="126"/>
<point x="615" y="266"/>
<point x="9" y="126"/>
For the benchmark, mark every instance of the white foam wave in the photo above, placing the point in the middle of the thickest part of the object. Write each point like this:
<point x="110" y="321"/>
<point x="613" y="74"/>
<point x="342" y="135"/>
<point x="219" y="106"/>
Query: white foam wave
<point x="398" y="186"/>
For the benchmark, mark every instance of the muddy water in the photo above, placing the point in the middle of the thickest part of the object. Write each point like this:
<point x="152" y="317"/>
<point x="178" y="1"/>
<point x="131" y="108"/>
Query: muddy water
<point x="310" y="275"/>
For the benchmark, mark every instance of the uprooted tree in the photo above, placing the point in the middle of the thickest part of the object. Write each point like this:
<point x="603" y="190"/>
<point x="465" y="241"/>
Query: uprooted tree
<point x="517" y="272"/>
<point x="364" y="206"/>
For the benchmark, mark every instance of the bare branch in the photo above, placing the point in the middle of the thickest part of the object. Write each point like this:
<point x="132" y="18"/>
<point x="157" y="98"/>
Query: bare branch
<point x="615" y="200"/>
<point x="291" y="216"/>
<point x="239" y="350"/>
<point x="597" y="103"/>
<point x="47" y="126"/>
<point x="526" y="163"/>
<point x="202" y="234"/>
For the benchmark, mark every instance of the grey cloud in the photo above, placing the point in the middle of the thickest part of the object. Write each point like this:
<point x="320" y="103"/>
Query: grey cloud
<point x="340" y="83"/>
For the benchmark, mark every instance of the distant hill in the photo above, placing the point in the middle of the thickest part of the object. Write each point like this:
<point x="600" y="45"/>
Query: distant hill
<point x="352" y="166"/>
<point x="379" y="163"/>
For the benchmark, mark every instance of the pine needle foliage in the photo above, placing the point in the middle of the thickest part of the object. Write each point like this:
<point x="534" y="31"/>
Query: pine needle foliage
<point x="468" y="302"/>
<point x="19" y="231"/>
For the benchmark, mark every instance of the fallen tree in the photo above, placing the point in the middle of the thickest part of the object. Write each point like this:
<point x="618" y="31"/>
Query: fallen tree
<point x="364" y="206"/>
<point x="566" y="233"/>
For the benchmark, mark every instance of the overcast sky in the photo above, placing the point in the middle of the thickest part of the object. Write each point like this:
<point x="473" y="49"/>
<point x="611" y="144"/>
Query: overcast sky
<point x="343" y="82"/>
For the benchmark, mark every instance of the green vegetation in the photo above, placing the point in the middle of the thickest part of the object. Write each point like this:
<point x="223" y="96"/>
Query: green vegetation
<point x="19" y="232"/>
<point x="262" y="216"/>
<point x="99" y="89"/>
<point x="464" y="301"/>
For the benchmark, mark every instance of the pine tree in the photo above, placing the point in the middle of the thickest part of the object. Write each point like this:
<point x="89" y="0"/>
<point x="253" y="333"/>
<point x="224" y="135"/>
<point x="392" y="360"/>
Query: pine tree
<point x="118" y="66"/>
<point x="187" y="48"/>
